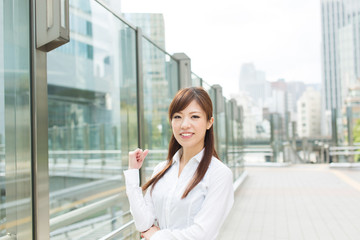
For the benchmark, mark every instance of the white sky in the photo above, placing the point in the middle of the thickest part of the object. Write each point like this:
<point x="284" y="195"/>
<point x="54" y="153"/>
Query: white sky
<point x="281" y="37"/>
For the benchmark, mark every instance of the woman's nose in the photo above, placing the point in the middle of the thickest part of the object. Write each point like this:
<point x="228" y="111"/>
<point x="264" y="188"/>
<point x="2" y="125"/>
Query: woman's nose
<point x="185" y="123"/>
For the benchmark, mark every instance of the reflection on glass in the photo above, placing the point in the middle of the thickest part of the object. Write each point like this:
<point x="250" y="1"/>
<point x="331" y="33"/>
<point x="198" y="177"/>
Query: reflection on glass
<point x="15" y="124"/>
<point x="92" y="124"/>
<point x="196" y="80"/>
<point x="160" y="86"/>
<point x="228" y="130"/>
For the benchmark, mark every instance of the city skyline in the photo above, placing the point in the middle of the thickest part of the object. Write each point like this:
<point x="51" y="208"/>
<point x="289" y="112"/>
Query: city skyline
<point x="282" y="39"/>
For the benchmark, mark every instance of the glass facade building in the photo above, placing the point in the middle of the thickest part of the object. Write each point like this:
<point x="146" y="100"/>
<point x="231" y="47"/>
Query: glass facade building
<point x="64" y="141"/>
<point x="340" y="61"/>
<point x="340" y="50"/>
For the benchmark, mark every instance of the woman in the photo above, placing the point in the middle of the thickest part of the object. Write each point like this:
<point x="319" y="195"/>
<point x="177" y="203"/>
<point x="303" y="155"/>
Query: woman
<point x="190" y="194"/>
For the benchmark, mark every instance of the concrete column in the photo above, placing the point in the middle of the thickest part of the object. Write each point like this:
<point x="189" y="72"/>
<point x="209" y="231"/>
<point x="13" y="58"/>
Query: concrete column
<point x="184" y="70"/>
<point x="219" y="99"/>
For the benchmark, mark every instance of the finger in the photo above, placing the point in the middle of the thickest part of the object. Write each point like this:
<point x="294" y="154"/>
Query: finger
<point x="138" y="155"/>
<point x="134" y="152"/>
<point x="145" y="153"/>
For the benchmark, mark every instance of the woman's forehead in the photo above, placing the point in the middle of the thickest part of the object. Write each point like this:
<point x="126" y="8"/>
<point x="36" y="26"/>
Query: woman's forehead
<point x="193" y="107"/>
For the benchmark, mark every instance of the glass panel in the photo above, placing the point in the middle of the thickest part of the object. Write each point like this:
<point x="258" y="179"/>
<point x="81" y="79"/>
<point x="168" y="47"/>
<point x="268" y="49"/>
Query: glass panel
<point x="229" y="136"/>
<point x="230" y="142"/>
<point x="160" y="86"/>
<point x="196" y="80"/>
<point x="211" y="93"/>
<point x="15" y="123"/>
<point x="92" y="123"/>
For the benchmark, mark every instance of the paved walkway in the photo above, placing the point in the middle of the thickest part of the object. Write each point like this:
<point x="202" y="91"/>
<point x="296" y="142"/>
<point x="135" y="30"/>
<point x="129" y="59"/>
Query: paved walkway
<point x="297" y="202"/>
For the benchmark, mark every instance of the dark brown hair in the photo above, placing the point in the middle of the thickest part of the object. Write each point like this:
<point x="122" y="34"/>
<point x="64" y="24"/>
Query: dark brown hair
<point x="181" y="100"/>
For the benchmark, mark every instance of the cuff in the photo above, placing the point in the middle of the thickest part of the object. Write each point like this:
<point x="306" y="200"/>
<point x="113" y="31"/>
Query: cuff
<point x="162" y="234"/>
<point x="132" y="178"/>
<point x="157" y="236"/>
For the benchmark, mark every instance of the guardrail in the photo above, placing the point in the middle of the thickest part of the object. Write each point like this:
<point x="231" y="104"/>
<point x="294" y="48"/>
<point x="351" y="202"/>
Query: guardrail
<point x="344" y="153"/>
<point x="83" y="212"/>
<point x="345" y="150"/>
<point x="117" y="231"/>
<point x="8" y="237"/>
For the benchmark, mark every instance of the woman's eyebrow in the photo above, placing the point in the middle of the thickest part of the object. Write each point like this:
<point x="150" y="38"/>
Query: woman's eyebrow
<point x="196" y="111"/>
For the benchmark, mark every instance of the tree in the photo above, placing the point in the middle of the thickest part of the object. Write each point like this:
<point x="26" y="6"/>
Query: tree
<point x="356" y="134"/>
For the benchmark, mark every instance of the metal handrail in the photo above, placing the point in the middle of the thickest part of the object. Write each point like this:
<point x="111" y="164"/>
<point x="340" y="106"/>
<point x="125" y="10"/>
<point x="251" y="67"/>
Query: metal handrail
<point x="81" y="213"/>
<point x="8" y="237"/>
<point x="344" y="150"/>
<point x="81" y="152"/>
<point x="117" y="231"/>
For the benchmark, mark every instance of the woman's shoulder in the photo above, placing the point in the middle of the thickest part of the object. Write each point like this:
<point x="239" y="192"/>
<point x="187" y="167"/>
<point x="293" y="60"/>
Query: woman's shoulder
<point x="218" y="167"/>
<point x="160" y="166"/>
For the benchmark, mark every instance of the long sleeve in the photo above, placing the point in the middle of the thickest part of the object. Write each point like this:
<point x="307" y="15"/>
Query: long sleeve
<point x="141" y="207"/>
<point x="215" y="208"/>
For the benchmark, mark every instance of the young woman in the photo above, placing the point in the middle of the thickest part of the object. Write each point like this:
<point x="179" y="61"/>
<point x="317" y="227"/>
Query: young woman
<point x="190" y="194"/>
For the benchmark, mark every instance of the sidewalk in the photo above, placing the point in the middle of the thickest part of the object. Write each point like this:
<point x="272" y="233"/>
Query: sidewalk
<point x="297" y="202"/>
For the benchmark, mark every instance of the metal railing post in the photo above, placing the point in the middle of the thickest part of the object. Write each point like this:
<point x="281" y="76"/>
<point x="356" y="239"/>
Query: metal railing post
<point x="140" y="95"/>
<point x="49" y="30"/>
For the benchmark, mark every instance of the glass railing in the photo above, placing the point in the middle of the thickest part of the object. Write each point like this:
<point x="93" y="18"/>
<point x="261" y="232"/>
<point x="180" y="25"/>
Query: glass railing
<point x="92" y="106"/>
<point x="160" y="84"/>
<point x="228" y="129"/>
<point x="196" y="80"/>
<point x="15" y="121"/>
<point x="95" y="106"/>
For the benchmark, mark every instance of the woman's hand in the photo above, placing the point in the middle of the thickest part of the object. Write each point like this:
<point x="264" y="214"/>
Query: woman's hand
<point x="136" y="158"/>
<point x="148" y="233"/>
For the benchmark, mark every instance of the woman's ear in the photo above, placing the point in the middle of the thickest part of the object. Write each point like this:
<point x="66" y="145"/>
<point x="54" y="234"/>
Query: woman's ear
<point x="210" y="123"/>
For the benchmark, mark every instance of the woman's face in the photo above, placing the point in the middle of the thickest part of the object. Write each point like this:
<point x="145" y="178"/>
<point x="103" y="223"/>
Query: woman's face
<point x="189" y="126"/>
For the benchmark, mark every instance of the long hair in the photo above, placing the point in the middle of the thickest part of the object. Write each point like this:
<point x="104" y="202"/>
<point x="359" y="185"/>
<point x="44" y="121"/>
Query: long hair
<point x="181" y="100"/>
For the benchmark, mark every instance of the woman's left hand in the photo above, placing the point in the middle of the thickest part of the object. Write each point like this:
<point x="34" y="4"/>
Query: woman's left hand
<point x="148" y="234"/>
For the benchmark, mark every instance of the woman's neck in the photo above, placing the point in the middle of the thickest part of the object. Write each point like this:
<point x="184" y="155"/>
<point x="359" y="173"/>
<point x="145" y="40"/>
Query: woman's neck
<point x="188" y="153"/>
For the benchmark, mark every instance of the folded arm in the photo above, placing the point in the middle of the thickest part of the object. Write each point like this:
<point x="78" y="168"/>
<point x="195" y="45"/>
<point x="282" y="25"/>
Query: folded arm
<point x="208" y="221"/>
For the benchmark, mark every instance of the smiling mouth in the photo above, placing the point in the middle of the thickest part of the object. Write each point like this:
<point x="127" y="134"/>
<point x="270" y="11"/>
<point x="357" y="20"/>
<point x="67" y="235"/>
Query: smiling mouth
<point x="186" y="134"/>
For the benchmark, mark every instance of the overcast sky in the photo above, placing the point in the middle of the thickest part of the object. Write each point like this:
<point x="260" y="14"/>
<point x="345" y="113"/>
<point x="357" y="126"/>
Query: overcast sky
<point x="281" y="37"/>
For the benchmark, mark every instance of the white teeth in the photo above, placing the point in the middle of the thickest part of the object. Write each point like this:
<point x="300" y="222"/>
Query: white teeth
<point x="186" y="134"/>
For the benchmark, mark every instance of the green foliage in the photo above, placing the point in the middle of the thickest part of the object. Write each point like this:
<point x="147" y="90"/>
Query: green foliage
<point x="356" y="134"/>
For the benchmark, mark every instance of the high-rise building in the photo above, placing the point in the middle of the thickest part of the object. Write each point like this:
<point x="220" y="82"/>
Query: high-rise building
<point x="340" y="50"/>
<point x="296" y="89"/>
<point x="254" y="83"/>
<point x="152" y="25"/>
<point x="308" y="116"/>
<point x="252" y="115"/>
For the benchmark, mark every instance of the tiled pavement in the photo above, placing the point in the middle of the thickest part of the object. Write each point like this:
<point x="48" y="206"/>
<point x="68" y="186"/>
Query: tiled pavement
<point x="296" y="202"/>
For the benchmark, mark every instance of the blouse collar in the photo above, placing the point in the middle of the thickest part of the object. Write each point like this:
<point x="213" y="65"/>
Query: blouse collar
<point x="197" y="157"/>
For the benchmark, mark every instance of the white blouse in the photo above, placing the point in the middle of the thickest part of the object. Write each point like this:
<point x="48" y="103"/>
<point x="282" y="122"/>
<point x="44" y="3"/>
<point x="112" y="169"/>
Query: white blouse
<point x="198" y="216"/>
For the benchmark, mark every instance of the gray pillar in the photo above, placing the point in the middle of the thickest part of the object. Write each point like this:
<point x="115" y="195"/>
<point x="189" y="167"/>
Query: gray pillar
<point x="184" y="69"/>
<point x="219" y="99"/>
<point x="218" y="108"/>
<point x="140" y="97"/>
<point x="334" y="126"/>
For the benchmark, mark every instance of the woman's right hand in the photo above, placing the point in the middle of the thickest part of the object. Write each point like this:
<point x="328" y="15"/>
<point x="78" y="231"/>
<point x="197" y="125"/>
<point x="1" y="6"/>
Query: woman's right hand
<point x="136" y="158"/>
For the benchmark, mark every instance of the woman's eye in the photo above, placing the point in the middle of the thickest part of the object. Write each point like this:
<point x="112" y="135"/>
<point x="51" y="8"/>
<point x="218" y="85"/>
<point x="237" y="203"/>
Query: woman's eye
<point x="195" y="116"/>
<point x="176" y="117"/>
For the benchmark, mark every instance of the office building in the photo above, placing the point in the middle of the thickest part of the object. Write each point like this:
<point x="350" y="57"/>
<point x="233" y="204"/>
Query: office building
<point x="254" y="82"/>
<point x="340" y="50"/>
<point x="309" y="114"/>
